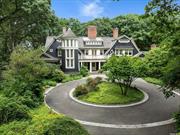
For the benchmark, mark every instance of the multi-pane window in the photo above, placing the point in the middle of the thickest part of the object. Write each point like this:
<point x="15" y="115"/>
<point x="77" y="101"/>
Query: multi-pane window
<point x="94" y="42"/>
<point x="94" y="52"/>
<point x="126" y="52"/>
<point x="69" y="58"/>
<point x="130" y="53"/>
<point x="86" y="52"/>
<point x="51" y="50"/>
<point x="120" y="52"/>
<point x="101" y="52"/>
<point x="59" y="52"/>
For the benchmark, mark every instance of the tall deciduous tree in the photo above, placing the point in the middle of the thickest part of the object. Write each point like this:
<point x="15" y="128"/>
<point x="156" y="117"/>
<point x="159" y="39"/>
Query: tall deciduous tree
<point x="25" y="22"/>
<point x="165" y="14"/>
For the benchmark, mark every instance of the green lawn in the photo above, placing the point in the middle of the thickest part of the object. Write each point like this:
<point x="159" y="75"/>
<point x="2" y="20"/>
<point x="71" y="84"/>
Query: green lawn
<point x="71" y="77"/>
<point x="110" y="93"/>
<point x="154" y="80"/>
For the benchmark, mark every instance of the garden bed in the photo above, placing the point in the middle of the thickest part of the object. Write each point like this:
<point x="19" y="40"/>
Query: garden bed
<point x="110" y="94"/>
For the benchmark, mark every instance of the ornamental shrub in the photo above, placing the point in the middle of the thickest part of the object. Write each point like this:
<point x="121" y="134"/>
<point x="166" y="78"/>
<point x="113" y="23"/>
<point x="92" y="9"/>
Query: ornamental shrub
<point x="58" y="75"/>
<point x="84" y="71"/>
<point x="92" y="83"/>
<point x="14" y="128"/>
<point x="11" y="109"/>
<point x="98" y="80"/>
<point x="50" y="125"/>
<point x="177" y="117"/>
<point x="80" y="90"/>
<point x="64" y="126"/>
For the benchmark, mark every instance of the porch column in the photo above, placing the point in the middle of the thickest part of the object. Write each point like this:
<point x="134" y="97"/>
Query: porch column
<point x="99" y="65"/>
<point x="80" y="64"/>
<point x="90" y="67"/>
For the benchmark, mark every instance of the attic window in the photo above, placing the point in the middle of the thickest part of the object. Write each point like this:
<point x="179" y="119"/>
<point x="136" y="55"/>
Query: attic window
<point x="51" y="50"/>
<point x="124" y="41"/>
<point x="93" y="42"/>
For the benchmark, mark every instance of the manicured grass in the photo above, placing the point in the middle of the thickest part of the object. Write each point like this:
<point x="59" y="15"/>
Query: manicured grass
<point x="43" y="112"/>
<point x="154" y="80"/>
<point x="71" y="77"/>
<point x="110" y="93"/>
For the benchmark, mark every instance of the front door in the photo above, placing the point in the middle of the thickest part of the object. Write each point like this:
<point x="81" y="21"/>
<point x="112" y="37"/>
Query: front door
<point x="94" y="66"/>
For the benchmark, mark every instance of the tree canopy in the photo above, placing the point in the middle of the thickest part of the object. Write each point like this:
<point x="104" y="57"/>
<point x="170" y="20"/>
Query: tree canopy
<point x="123" y="70"/>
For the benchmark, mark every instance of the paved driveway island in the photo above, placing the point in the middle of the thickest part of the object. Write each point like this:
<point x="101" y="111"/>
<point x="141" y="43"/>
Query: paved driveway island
<point x="150" y="118"/>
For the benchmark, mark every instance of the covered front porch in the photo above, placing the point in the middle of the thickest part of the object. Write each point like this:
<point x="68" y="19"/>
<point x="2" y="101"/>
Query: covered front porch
<point x="93" y="66"/>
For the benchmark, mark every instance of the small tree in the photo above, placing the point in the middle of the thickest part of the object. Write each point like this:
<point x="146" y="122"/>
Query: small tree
<point x="123" y="70"/>
<point x="84" y="71"/>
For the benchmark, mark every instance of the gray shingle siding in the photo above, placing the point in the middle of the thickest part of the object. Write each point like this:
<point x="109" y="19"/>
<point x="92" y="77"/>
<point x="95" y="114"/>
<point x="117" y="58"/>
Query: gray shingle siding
<point x="54" y="46"/>
<point x="109" y="44"/>
<point x="76" y="68"/>
<point x="124" y="46"/>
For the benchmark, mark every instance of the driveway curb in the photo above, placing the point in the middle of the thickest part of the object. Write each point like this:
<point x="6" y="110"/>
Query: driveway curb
<point x="146" y="97"/>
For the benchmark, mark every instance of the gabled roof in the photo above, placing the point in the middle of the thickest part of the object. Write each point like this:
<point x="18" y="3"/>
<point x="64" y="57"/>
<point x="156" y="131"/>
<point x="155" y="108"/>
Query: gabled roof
<point x="69" y="34"/>
<point x="49" y="57"/>
<point x="123" y="36"/>
<point x="49" y="41"/>
<point x="107" y="42"/>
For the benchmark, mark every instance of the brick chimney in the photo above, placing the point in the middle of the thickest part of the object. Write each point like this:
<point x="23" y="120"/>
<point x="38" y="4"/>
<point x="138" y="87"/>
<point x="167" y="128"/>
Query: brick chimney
<point x="92" y="32"/>
<point x="115" y="33"/>
<point x="64" y="30"/>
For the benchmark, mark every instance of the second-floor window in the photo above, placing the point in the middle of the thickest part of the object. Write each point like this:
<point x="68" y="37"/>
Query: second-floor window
<point x="59" y="52"/>
<point x="69" y="58"/>
<point x="120" y="52"/>
<point x="101" y="52"/>
<point x="86" y="52"/>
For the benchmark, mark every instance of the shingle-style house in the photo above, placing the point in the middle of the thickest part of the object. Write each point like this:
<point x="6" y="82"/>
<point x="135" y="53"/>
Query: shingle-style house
<point x="71" y="52"/>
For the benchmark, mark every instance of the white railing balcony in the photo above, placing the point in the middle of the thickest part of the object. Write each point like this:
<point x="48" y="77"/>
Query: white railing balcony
<point x="93" y="57"/>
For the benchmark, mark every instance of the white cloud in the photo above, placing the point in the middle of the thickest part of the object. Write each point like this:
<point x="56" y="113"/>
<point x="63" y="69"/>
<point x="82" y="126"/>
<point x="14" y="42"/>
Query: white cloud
<point x="92" y="9"/>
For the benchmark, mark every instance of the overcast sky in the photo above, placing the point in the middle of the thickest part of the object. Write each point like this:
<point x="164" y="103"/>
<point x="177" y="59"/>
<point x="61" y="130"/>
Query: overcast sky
<point x="86" y="10"/>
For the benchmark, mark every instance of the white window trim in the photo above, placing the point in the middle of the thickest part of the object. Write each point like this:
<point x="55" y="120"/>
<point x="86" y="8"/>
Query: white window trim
<point x="59" y="54"/>
<point x="124" y="51"/>
<point x="69" y="58"/>
<point x="51" y="50"/>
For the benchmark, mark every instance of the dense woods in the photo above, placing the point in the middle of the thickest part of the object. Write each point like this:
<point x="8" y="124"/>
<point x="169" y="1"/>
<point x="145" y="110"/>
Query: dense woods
<point x="136" y="26"/>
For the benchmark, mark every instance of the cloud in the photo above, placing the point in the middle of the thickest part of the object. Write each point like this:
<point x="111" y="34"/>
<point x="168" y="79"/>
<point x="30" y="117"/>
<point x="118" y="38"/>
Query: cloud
<point x="92" y="9"/>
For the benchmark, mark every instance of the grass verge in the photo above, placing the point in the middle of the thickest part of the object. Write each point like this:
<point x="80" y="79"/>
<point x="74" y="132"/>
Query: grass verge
<point x="154" y="80"/>
<point x="43" y="122"/>
<point x="71" y="77"/>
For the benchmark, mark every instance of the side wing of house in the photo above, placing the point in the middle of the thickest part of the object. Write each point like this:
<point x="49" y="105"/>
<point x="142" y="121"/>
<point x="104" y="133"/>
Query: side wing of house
<point x="69" y="52"/>
<point x="52" y="51"/>
<point x="123" y="46"/>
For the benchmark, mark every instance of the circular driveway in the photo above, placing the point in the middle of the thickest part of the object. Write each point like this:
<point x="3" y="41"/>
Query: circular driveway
<point x="156" y="109"/>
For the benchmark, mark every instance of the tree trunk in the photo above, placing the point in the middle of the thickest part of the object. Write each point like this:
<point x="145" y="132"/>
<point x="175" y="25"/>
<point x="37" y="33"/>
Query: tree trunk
<point x="120" y="85"/>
